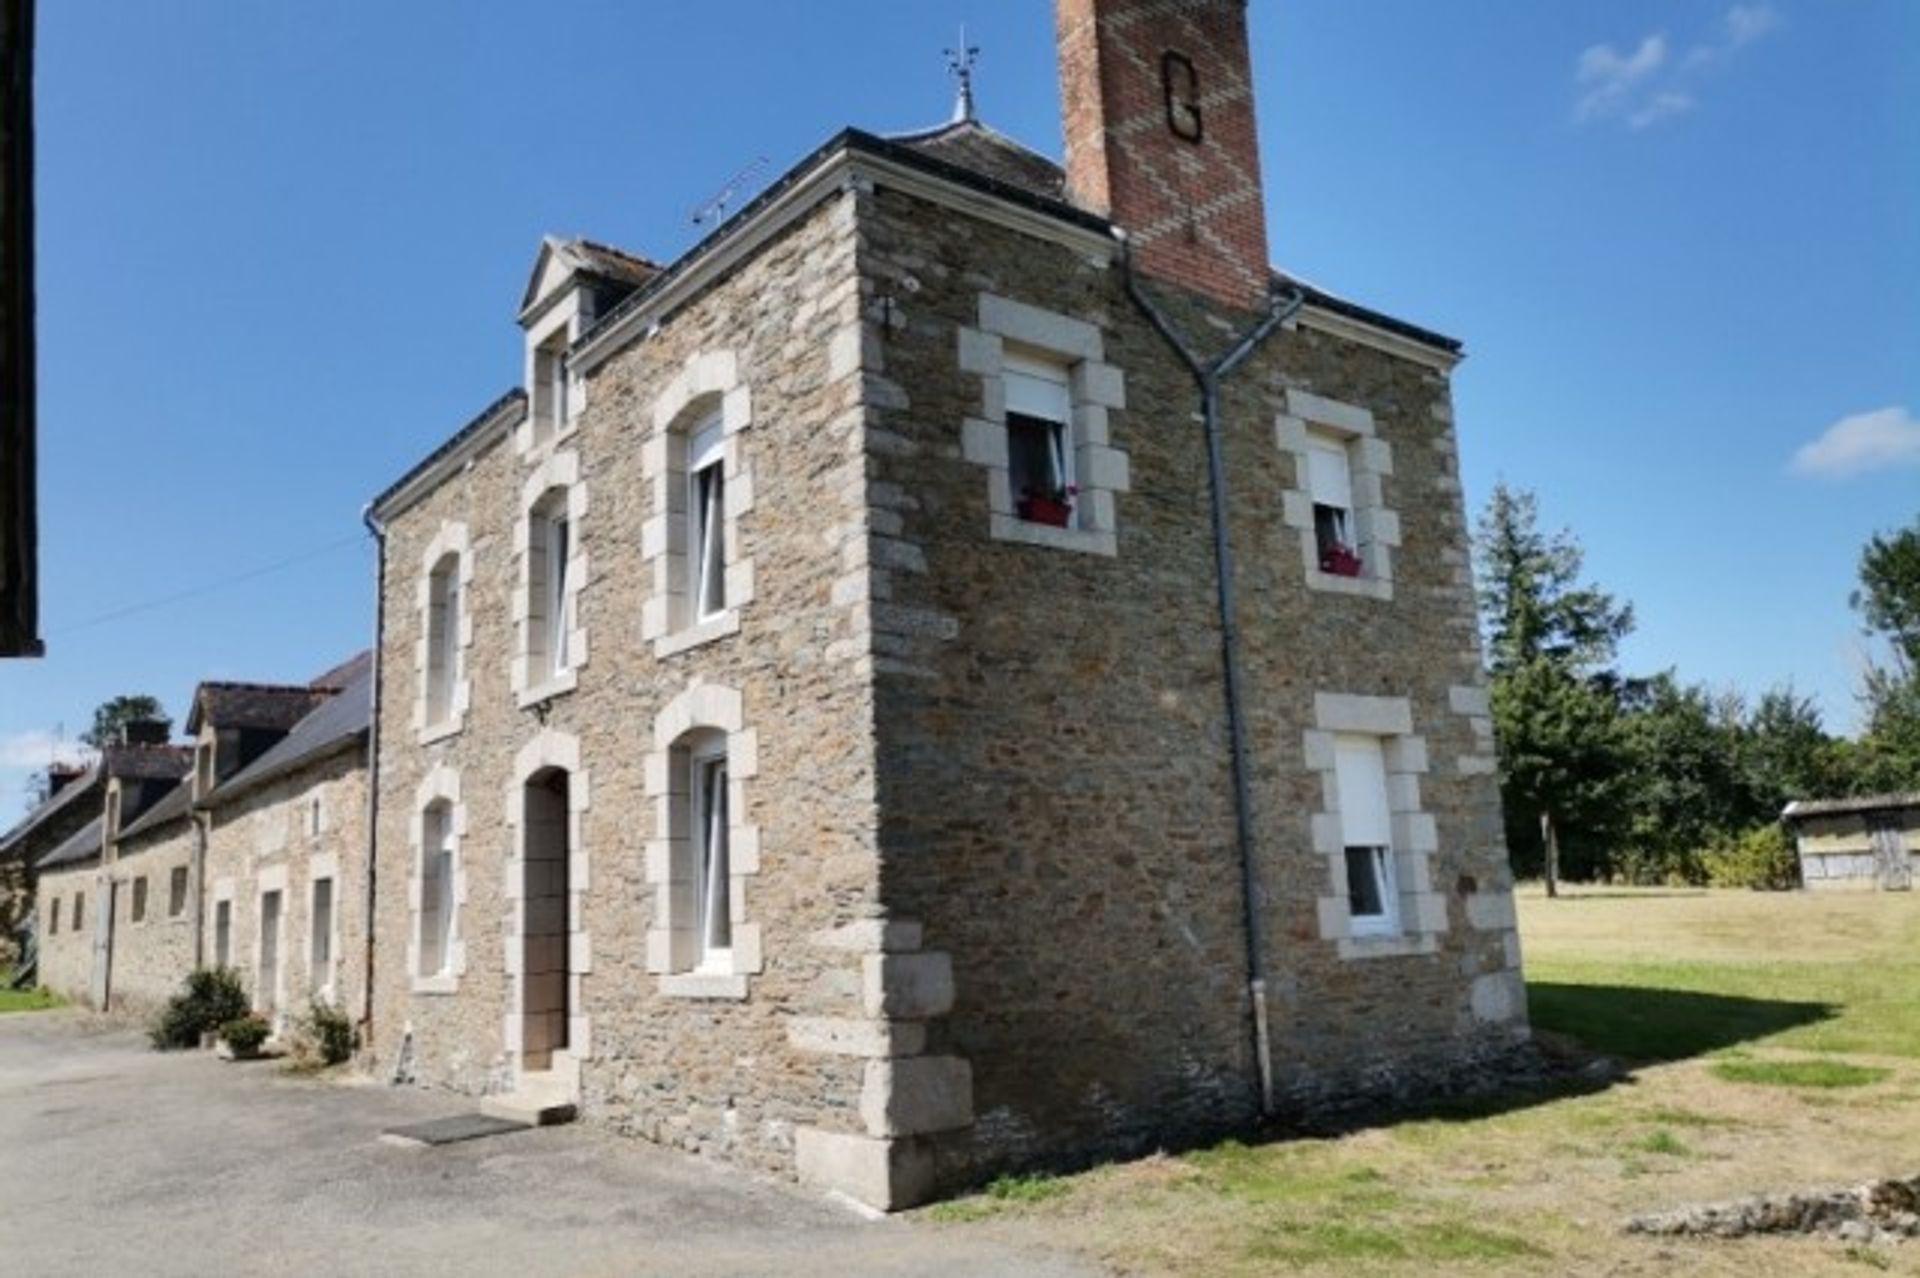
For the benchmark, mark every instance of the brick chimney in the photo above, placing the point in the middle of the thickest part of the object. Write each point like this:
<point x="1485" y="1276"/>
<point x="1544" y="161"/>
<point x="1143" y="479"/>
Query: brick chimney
<point x="146" y="732"/>
<point x="1157" y="100"/>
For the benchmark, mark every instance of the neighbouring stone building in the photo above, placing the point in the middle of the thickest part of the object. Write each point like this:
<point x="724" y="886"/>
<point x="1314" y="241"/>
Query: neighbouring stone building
<point x="1863" y="843"/>
<point x="823" y="723"/>
<point x="71" y="800"/>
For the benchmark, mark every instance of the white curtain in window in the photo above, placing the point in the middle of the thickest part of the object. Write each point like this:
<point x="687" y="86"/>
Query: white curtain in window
<point x="1328" y="474"/>
<point x="707" y="512"/>
<point x="1361" y="774"/>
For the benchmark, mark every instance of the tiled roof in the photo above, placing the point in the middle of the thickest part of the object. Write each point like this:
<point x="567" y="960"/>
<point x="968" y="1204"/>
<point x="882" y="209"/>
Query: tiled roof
<point x="82" y="845"/>
<point x="275" y="706"/>
<point x="614" y="264"/>
<point x="971" y="145"/>
<point x="340" y="720"/>
<point x="173" y="806"/>
<point x="90" y="782"/>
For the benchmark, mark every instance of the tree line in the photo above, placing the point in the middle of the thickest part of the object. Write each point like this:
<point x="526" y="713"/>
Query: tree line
<point x="1649" y="779"/>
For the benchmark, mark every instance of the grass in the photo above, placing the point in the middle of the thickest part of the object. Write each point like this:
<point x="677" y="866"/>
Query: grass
<point x="37" y="999"/>
<point x="1800" y="1073"/>
<point x="1776" y="1042"/>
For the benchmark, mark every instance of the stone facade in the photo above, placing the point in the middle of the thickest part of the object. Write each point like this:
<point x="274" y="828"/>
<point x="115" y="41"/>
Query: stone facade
<point x="285" y="835"/>
<point x="66" y="951"/>
<point x="981" y="906"/>
<point x="153" y="944"/>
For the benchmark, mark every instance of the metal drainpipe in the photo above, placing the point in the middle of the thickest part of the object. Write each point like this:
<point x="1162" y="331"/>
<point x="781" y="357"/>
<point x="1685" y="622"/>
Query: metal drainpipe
<point x="379" y="532"/>
<point x="1280" y="308"/>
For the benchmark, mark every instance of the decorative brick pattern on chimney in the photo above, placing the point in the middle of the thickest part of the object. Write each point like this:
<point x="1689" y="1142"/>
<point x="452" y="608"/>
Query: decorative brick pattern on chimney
<point x="1157" y="99"/>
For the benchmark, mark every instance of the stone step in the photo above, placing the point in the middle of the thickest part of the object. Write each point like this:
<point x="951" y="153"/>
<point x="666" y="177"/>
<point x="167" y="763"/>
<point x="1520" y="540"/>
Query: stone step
<point x="539" y="1108"/>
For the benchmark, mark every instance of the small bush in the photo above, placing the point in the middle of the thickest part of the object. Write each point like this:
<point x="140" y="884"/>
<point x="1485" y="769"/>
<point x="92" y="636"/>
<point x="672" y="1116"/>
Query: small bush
<point x="212" y="997"/>
<point x="325" y="1035"/>
<point x="245" y="1034"/>
<point x="1762" y="857"/>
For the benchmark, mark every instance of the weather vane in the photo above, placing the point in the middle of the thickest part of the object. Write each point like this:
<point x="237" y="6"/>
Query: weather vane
<point x="960" y="66"/>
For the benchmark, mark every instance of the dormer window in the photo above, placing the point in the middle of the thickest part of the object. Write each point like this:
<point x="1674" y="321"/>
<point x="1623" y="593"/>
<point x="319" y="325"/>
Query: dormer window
<point x="707" y="519"/>
<point x="550" y="392"/>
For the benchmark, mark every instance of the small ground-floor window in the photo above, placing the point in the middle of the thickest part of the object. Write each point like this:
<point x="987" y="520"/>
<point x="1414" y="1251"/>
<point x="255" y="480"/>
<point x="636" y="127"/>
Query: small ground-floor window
<point x="223" y="934"/>
<point x="177" y="892"/>
<point x="1366" y="830"/>
<point x="139" y="906"/>
<point x="320" y="937"/>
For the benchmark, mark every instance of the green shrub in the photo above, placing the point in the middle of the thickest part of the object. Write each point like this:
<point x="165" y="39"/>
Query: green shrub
<point x="1762" y="857"/>
<point x="245" y="1034"/>
<point x="212" y="997"/>
<point x="326" y="1033"/>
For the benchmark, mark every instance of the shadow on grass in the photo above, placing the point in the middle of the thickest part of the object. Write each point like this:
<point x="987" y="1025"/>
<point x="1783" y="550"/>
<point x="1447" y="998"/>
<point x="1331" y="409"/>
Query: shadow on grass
<point x="1644" y="1024"/>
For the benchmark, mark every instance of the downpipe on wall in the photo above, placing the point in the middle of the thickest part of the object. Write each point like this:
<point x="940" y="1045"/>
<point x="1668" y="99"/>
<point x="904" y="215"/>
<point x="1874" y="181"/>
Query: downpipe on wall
<point x="1281" y="306"/>
<point x="379" y="531"/>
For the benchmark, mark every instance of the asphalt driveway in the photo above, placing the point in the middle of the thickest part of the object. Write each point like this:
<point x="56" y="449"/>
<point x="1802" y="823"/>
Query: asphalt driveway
<point x="115" y="1159"/>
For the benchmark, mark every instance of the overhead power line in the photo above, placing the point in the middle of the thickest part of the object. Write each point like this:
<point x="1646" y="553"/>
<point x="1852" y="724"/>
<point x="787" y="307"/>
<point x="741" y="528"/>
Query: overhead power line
<point x="212" y="587"/>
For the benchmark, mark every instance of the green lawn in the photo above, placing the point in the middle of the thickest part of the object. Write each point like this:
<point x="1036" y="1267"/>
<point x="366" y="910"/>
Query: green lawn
<point x="1773" y="1037"/>
<point x="33" y="1000"/>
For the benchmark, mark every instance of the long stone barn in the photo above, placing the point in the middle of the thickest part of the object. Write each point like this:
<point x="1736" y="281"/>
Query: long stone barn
<point x="967" y="668"/>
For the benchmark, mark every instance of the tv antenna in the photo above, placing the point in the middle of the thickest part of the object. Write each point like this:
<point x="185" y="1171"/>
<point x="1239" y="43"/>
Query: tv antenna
<point x="960" y="66"/>
<point x="714" y="211"/>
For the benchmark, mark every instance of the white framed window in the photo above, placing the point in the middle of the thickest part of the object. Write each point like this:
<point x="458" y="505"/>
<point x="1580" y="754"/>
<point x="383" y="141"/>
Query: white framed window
<point x="443" y="637"/>
<point x="320" y="937"/>
<point x="137" y="907"/>
<point x="552" y="388"/>
<point x="223" y="933"/>
<point x="556" y="601"/>
<point x="708" y="828"/>
<point x="1040" y="448"/>
<point x="1338" y="504"/>
<point x="707" y="520"/>
<point x="1366" y="834"/>
<point x="436" y="892"/>
<point x="550" y="643"/>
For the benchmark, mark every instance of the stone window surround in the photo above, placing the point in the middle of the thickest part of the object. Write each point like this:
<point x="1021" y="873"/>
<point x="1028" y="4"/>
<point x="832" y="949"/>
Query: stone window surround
<point x="1376" y="529"/>
<point x="707" y="384"/>
<point x="453" y="538"/>
<point x="1423" y="911"/>
<point x="1097" y="387"/>
<point x="564" y="320"/>
<point x="325" y="867"/>
<point x="711" y="707"/>
<point x="561" y="750"/>
<point x="271" y="879"/>
<point x="440" y="785"/>
<point x="558" y="472"/>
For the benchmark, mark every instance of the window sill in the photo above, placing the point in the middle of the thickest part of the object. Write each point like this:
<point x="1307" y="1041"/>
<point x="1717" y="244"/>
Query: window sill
<point x="559" y="684"/>
<point x="446" y="984"/>
<point x="1368" y="945"/>
<point x="442" y="730"/>
<point x="1083" y="540"/>
<point x="704" y="986"/>
<point x="718" y="626"/>
<point x="1335" y="584"/>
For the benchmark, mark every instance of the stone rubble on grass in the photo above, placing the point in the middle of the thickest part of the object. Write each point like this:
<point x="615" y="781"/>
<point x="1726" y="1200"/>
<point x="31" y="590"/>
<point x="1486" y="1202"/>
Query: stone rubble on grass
<point x="1880" y="1211"/>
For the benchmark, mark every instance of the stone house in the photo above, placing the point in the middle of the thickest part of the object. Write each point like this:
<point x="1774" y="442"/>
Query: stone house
<point x="72" y="799"/>
<point x="1862" y="843"/>
<point x="966" y="668"/>
<point x="78" y="899"/>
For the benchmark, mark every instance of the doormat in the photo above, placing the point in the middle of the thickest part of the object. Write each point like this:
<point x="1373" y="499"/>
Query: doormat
<point x="450" y="1131"/>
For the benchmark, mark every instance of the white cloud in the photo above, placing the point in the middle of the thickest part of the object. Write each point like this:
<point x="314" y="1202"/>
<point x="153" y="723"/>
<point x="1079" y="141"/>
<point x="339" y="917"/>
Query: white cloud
<point x="1877" y="440"/>
<point x="1611" y="76"/>
<point x="1646" y="86"/>
<point x="36" y="747"/>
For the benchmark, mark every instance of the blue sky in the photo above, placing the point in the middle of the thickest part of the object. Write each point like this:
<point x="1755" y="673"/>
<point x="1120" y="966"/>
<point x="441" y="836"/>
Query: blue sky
<point x="281" y="245"/>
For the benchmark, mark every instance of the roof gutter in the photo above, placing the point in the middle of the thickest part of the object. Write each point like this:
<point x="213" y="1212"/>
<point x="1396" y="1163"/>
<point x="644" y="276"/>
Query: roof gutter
<point x="1281" y="306"/>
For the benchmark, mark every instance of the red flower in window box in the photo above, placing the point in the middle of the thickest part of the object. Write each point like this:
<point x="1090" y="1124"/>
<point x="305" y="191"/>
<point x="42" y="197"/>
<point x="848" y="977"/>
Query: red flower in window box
<point x="1054" y="509"/>
<point x="1341" y="561"/>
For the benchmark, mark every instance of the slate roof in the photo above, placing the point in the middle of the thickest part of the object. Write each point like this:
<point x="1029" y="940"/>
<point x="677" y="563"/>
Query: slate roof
<point x="173" y="806"/>
<point x="1864" y="803"/>
<point x="973" y="146"/>
<point x="344" y="673"/>
<point x="274" y="706"/>
<point x="339" y="721"/>
<point x="82" y="845"/>
<point x="88" y="782"/>
<point x="161" y="761"/>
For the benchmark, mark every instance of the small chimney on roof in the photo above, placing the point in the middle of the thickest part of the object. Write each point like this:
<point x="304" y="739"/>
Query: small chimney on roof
<point x="61" y="775"/>
<point x="1157" y="103"/>
<point x="146" y="732"/>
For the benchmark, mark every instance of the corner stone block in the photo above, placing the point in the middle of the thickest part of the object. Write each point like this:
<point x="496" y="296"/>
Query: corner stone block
<point x="914" y="1095"/>
<point x="908" y="986"/>
<point x="886" y="1174"/>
